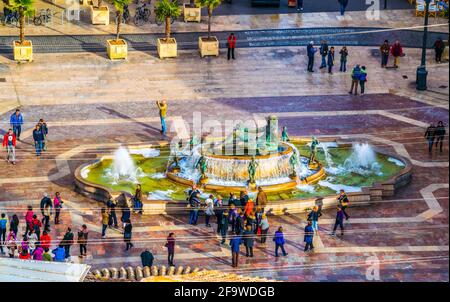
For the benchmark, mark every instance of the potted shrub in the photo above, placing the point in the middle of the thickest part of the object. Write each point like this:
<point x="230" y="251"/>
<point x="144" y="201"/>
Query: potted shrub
<point x="209" y="46"/>
<point x="117" y="48"/>
<point x="192" y="12"/>
<point x="165" y="10"/>
<point x="99" y="13"/>
<point x="23" y="49"/>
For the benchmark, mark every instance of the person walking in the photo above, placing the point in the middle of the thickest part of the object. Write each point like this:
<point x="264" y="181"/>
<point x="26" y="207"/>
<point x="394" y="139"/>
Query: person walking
<point x="38" y="138"/>
<point x="261" y="199"/>
<point x="28" y="219"/>
<point x="339" y="221"/>
<point x="45" y="201"/>
<point x="43" y="125"/>
<point x="209" y="209"/>
<point x="138" y="199"/>
<point x="82" y="240"/>
<point x="9" y="142"/>
<point x="57" y="204"/>
<point x="430" y="135"/>
<point x="162" y="106"/>
<point x="342" y="6"/>
<point x="384" y="50"/>
<point x="16" y="122"/>
<point x="239" y="222"/>
<point x="46" y="218"/>
<point x="194" y="203"/>
<point x="323" y="49"/>
<point x="356" y="73"/>
<point x="309" y="236"/>
<point x="105" y="220"/>
<point x="330" y="60"/>
<point x="440" y="135"/>
<point x="170" y="245"/>
<point x="311" y="51"/>
<point x="363" y="79"/>
<point x="127" y="234"/>
<point x="67" y="242"/>
<point x="147" y="258"/>
<point x="224" y="226"/>
<point x="235" y="245"/>
<point x="397" y="52"/>
<point x="313" y="216"/>
<point x="111" y="210"/>
<point x="249" y="239"/>
<point x="126" y="214"/>
<point x="279" y="242"/>
<point x="344" y="54"/>
<point x="439" y="48"/>
<point x="218" y="206"/>
<point x="343" y="202"/>
<point x="264" y="225"/>
<point x="231" y="43"/>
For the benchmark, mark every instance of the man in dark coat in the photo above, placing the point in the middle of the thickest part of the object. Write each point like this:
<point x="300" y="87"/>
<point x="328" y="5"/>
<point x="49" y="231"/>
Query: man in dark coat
<point x="249" y="238"/>
<point x="45" y="201"/>
<point x="339" y="221"/>
<point x="147" y="258"/>
<point x="430" y="135"/>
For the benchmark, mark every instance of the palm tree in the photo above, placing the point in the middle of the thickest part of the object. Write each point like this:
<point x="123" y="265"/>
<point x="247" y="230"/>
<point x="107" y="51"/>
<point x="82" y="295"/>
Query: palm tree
<point x="25" y="8"/>
<point x="120" y="5"/>
<point x="165" y="10"/>
<point x="210" y="5"/>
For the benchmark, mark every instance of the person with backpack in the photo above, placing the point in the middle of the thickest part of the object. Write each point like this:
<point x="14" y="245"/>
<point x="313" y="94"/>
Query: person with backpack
<point x="356" y="73"/>
<point x="309" y="236"/>
<point x="36" y="226"/>
<point x="83" y="240"/>
<point x="45" y="201"/>
<point x="9" y="142"/>
<point x="363" y="79"/>
<point x="209" y="209"/>
<point x="344" y="54"/>
<point x="330" y="60"/>
<point x="323" y="49"/>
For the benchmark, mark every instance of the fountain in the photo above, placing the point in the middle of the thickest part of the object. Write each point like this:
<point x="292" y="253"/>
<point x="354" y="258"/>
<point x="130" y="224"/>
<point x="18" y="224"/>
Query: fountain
<point x="363" y="160"/>
<point x="123" y="168"/>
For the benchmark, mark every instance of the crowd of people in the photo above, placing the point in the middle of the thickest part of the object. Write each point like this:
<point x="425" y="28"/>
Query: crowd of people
<point x="435" y="135"/>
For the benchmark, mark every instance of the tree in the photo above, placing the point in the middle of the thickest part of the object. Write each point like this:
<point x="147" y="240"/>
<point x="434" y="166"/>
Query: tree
<point x="120" y="5"/>
<point x="25" y="8"/>
<point x="165" y="10"/>
<point x="210" y="5"/>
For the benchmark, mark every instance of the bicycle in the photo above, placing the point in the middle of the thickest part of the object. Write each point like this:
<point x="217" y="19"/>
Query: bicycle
<point x="45" y="16"/>
<point x="11" y="17"/>
<point x="142" y="15"/>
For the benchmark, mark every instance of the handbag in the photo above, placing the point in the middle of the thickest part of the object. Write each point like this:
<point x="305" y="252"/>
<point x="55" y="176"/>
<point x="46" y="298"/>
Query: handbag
<point x="258" y="231"/>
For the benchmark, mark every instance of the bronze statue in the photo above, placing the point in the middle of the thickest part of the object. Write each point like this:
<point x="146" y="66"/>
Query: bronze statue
<point x="252" y="170"/>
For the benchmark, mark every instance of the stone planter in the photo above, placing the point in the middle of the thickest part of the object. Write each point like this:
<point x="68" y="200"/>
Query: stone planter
<point x="99" y="15"/>
<point x="192" y="14"/>
<point x="167" y="49"/>
<point x="117" y="49"/>
<point x="208" y="47"/>
<point x="23" y="52"/>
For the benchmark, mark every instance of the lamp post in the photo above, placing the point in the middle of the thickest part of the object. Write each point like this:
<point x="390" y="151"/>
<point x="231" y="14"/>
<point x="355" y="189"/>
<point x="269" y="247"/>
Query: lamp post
<point x="421" y="75"/>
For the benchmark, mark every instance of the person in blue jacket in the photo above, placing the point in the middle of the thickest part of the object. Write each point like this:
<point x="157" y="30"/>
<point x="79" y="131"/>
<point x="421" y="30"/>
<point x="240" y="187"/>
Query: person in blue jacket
<point x="279" y="242"/>
<point x="363" y="79"/>
<point x="38" y="137"/>
<point x="60" y="254"/>
<point x="309" y="235"/>
<point x="310" y="51"/>
<point x="235" y="244"/>
<point x="16" y="121"/>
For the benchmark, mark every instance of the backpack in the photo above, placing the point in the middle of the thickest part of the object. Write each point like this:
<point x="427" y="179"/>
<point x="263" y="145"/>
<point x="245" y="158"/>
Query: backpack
<point x="356" y="73"/>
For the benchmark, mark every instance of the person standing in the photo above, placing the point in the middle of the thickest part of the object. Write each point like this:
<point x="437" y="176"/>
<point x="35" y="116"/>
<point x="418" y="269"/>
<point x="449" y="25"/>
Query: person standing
<point x="3" y="227"/>
<point x="83" y="240"/>
<point x="249" y="207"/>
<point x="32" y="240"/>
<point x="384" y="50"/>
<point x="261" y="199"/>
<point x="194" y="203"/>
<point x="38" y="253"/>
<point x="45" y="201"/>
<point x="430" y="135"/>
<point x="9" y="142"/>
<point x="36" y="225"/>
<point x="162" y="106"/>
<point x="339" y="221"/>
<point x="279" y="242"/>
<point x="309" y="236"/>
<point x="330" y="60"/>
<point x="105" y="220"/>
<point x="343" y="202"/>
<point x="224" y="226"/>
<point x="170" y="245"/>
<point x="243" y="198"/>
<point x="235" y="245"/>
<point x="363" y="79"/>
<point x="239" y="222"/>
<point x="356" y="73"/>
<point x="137" y="199"/>
<point x="440" y="135"/>
<point x="344" y="54"/>
<point x="44" y="129"/>
<point x="28" y="219"/>
<point x="218" y="211"/>
<point x="323" y="49"/>
<point x="46" y="219"/>
<point x="147" y="258"/>
<point x="342" y="6"/>
<point x="439" y="48"/>
<point x="46" y="240"/>
<point x="38" y="138"/>
<point x="311" y="51"/>
<point x="264" y="225"/>
<point x="209" y="209"/>
<point x="397" y="52"/>
<point x="59" y="253"/>
<point x="299" y="5"/>
<point x="67" y="242"/>
<point x="57" y="204"/>
<point x="16" y="122"/>
<point x="14" y="224"/>
<point x="127" y="234"/>
<point x="47" y="255"/>
<point x="111" y="205"/>
<point x="313" y="216"/>
<point x="231" y="43"/>
<point x="249" y="238"/>
<point x="126" y="214"/>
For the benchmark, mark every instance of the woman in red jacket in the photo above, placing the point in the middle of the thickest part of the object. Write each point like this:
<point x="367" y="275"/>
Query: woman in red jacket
<point x="9" y="142"/>
<point x="231" y="45"/>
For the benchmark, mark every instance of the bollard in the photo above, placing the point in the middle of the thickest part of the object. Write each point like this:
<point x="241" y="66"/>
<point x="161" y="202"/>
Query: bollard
<point x="162" y="272"/>
<point x="171" y="270"/>
<point x="196" y="270"/>
<point x="187" y="270"/>
<point x="122" y="273"/>
<point x="114" y="273"/>
<point x="130" y="273"/>
<point x="106" y="274"/>
<point x="147" y="272"/>
<point x="139" y="273"/>
<point x="154" y="270"/>
<point x="97" y="274"/>
<point x="179" y="270"/>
